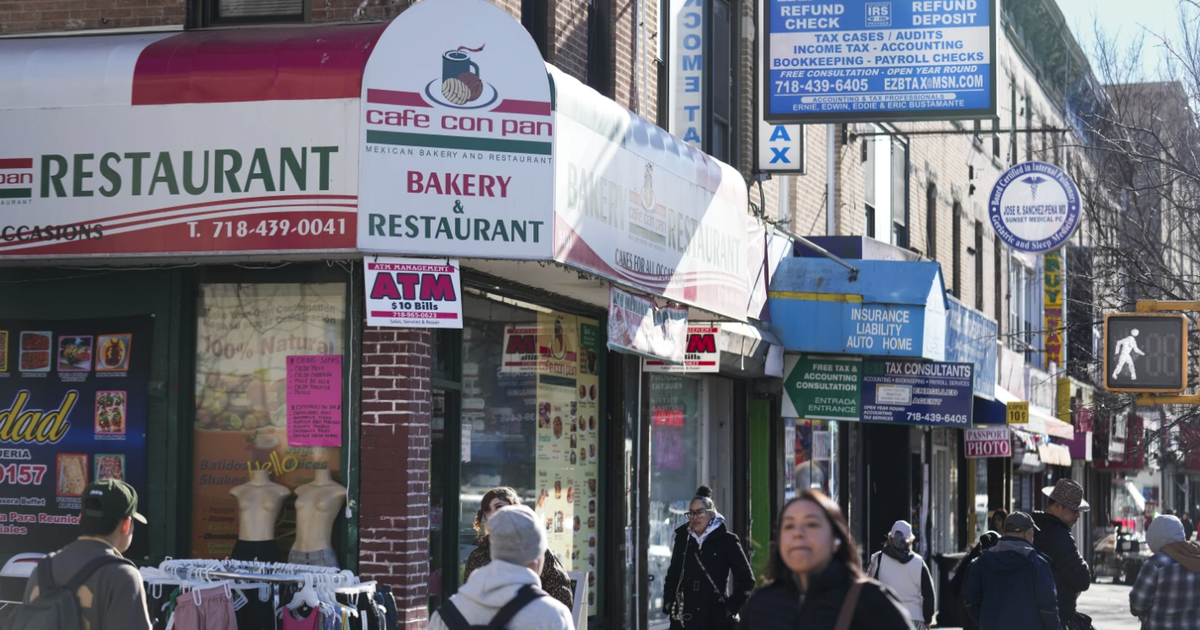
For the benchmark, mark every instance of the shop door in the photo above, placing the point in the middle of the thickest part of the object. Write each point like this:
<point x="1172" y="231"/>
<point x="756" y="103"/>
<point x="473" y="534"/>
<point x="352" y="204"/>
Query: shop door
<point x="942" y="512"/>
<point x="888" y="479"/>
<point x="677" y="468"/>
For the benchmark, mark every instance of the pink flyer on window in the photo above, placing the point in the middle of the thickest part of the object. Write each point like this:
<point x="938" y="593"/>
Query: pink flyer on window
<point x="314" y="400"/>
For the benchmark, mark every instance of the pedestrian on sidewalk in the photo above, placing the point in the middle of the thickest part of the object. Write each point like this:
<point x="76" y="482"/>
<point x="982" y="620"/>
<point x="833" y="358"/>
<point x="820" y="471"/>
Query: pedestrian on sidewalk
<point x="554" y="576"/>
<point x="704" y="555"/>
<point x="89" y="579"/>
<point x="962" y="571"/>
<point x="1072" y="575"/>
<point x="1011" y="586"/>
<point x="1166" y="595"/>
<point x="814" y="580"/>
<point x="905" y="573"/>
<point x="997" y="520"/>
<point x="507" y="592"/>
<point x="1188" y="527"/>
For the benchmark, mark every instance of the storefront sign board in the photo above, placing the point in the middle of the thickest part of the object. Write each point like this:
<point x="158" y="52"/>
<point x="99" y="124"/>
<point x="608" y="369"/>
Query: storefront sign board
<point x="834" y="61"/>
<point x="917" y="393"/>
<point x="780" y="147"/>
<point x="1034" y="207"/>
<point x="701" y="356"/>
<point x="122" y="180"/>
<point x="413" y="293"/>
<point x="821" y="387"/>
<point x="520" y="349"/>
<point x="1018" y="412"/>
<point x="73" y="409"/>
<point x="687" y="77"/>
<point x="638" y="206"/>
<point x="314" y="390"/>
<point x="637" y="326"/>
<point x="983" y="443"/>
<point x="457" y="136"/>
<point x="971" y="338"/>
<point x="1053" y="299"/>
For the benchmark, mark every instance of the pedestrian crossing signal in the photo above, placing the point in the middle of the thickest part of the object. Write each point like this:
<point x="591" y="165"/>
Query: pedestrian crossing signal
<point x="1146" y="352"/>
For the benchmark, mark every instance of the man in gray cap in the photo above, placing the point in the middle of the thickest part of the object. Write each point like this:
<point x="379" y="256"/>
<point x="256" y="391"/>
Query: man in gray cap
<point x="507" y="592"/>
<point x="90" y="574"/>
<point x="1072" y="575"/>
<point x="1010" y="586"/>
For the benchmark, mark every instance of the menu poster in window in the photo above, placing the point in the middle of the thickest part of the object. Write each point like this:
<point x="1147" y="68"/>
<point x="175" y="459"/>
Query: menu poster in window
<point x="73" y="409"/>
<point x="567" y="445"/>
<point x="245" y="334"/>
<point x="314" y="393"/>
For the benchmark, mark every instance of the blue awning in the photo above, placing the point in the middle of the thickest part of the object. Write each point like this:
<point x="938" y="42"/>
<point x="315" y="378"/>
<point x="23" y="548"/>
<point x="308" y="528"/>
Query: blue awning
<point x="892" y="308"/>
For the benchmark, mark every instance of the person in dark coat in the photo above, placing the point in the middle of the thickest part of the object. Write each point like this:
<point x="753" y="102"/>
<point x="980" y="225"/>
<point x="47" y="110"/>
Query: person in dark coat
<point x="1072" y="575"/>
<point x="1011" y="586"/>
<point x="811" y="571"/>
<point x="694" y="594"/>
<point x="554" y="575"/>
<point x="962" y="572"/>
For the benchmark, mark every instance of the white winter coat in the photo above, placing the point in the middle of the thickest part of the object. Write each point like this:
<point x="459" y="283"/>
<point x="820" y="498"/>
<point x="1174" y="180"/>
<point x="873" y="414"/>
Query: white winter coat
<point x="492" y="586"/>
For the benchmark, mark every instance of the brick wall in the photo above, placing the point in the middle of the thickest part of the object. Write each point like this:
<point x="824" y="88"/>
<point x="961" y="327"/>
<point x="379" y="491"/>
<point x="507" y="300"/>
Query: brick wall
<point x="394" y="456"/>
<point x="40" y="16"/>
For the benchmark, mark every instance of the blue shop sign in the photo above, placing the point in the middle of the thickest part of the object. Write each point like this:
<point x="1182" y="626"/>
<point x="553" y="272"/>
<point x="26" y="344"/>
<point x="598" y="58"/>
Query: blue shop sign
<point x="971" y="338"/>
<point x="916" y="392"/>
<point x="891" y="309"/>
<point x="838" y="61"/>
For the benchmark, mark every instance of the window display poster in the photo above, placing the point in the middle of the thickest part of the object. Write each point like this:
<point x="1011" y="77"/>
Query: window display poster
<point x="245" y="334"/>
<point x="567" y="456"/>
<point x="73" y="409"/>
<point x="314" y="392"/>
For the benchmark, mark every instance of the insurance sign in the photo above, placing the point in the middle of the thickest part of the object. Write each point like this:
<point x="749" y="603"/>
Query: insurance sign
<point x="836" y="60"/>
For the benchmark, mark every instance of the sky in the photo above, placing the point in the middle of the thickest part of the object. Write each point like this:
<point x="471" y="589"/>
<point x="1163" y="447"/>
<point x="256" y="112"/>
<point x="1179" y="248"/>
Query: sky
<point x="1127" y="19"/>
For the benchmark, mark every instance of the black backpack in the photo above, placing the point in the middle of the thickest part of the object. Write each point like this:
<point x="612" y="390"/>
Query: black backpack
<point x="455" y="621"/>
<point x="56" y="607"/>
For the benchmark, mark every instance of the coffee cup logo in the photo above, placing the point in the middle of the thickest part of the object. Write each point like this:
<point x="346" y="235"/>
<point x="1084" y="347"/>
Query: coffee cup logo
<point x="461" y="86"/>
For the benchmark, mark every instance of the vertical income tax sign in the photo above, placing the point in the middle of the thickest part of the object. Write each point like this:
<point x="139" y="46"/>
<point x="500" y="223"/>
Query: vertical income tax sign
<point x="845" y="60"/>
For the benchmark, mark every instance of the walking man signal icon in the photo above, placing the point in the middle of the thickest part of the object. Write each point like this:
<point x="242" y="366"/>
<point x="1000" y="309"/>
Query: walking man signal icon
<point x="1124" y="351"/>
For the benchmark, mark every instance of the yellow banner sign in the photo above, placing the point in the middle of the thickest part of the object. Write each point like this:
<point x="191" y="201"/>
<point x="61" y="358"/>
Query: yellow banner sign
<point x="1018" y="413"/>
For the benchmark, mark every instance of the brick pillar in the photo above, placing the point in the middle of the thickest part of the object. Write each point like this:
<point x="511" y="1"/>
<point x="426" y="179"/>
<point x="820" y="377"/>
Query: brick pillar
<point x="394" y="497"/>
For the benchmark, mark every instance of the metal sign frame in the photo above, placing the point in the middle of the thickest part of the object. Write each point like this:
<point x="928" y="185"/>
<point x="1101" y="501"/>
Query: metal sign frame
<point x="1183" y="354"/>
<point x="874" y="115"/>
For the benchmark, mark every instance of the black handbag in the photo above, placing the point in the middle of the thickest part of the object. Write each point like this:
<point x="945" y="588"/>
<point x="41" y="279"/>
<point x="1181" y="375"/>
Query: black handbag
<point x="1079" y="622"/>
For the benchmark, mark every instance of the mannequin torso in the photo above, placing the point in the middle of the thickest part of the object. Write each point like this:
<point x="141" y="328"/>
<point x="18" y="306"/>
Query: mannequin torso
<point x="317" y="507"/>
<point x="259" y="503"/>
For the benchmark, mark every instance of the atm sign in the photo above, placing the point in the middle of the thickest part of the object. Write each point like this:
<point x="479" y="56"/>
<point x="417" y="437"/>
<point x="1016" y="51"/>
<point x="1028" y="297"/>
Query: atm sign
<point x="701" y="353"/>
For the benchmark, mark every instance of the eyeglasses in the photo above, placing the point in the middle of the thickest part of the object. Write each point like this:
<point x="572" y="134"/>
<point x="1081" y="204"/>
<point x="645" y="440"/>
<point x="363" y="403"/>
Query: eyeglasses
<point x="692" y="515"/>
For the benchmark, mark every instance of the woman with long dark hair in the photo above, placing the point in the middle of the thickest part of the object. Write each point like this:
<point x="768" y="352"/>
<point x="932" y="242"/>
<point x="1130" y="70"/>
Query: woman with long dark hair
<point x="705" y="553"/>
<point x="814" y="578"/>
<point x="554" y="575"/>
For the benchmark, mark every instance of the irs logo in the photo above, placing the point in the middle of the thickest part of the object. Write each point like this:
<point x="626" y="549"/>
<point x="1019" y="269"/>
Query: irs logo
<point x="879" y="14"/>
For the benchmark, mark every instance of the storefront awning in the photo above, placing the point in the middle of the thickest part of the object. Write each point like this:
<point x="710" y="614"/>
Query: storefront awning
<point x="1050" y="425"/>
<point x="1054" y="454"/>
<point x="889" y="308"/>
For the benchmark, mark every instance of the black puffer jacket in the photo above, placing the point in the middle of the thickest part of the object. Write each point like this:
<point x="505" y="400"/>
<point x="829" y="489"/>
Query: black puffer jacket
<point x="1072" y="575"/>
<point x="781" y="605"/>
<point x="721" y="553"/>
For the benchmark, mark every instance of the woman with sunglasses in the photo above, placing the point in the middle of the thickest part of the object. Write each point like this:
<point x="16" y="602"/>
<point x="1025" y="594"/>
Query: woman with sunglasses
<point x="554" y="575"/>
<point x="695" y="592"/>
<point x="813" y="577"/>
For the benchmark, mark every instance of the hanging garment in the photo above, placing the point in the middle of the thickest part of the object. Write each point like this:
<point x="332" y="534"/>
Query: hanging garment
<point x="214" y="612"/>
<point x="260" y="550"/>
<point x="368" y="611"/>
<point x="311" y="622"/>
<point x="257" y="614"/>
<point x="389" y="602"/>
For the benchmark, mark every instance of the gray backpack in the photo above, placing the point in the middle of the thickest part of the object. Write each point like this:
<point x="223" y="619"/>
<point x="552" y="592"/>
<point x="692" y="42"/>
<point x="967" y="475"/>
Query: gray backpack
<point x="56" y="607"/>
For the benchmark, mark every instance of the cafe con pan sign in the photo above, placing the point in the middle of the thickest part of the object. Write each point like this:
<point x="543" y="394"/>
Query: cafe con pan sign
<point x="1034" y="207"/>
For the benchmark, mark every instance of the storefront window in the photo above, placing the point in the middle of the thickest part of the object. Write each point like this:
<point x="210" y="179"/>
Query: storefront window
<point x="675" y="464"/>
<point x="245" y="334"/>
<point x="810" y="462"/>
<point x="531" y="420"/>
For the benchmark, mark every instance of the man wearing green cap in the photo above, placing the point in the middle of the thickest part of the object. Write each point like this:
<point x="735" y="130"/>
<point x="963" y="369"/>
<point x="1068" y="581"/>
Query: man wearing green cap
<point x="112" y="597"/>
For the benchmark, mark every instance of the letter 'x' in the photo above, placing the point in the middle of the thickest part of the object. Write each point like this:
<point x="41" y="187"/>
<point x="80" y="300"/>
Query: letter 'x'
<point x="780" y="155"/>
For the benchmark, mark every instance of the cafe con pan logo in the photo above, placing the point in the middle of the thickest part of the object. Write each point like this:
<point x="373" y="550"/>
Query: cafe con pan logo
<point x="461" y="85"/>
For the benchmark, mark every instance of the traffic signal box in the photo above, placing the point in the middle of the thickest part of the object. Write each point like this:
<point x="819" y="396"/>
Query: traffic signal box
<point x="1146" y="352"/>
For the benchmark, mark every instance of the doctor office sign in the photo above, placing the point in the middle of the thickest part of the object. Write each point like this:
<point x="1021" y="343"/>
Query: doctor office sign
<point x="457" y="131"/>
<point x="1034" y="207"/>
